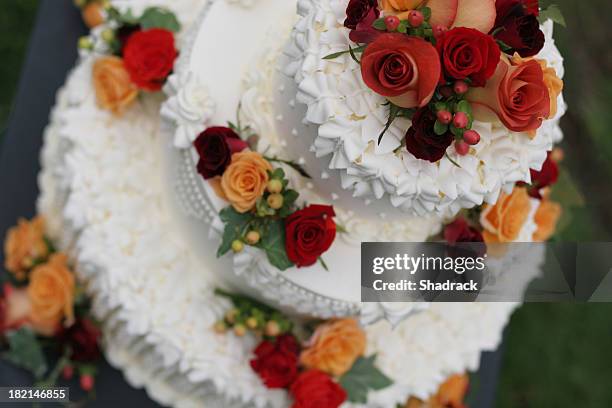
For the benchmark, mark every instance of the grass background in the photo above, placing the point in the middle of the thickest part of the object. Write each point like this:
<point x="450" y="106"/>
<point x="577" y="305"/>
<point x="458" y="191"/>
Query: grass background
<point x="557" y="355"/>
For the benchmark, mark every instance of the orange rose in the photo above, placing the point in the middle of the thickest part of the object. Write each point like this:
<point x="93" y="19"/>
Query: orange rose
<point x="451" y="394"/>
<point x="93" y="14"/>
<point x="551" y="80"/>
<point x="546" y="217"/>
<point x="51" y="294"/>
<point x="516" y="95"/>
<point x="503" y="221"/>
<point x="400" y="8"/>
<point x="24" y="245"/>
<point x="245" y="179"/>
<point x="335" y="346"/>
<point x="114" y="88"/>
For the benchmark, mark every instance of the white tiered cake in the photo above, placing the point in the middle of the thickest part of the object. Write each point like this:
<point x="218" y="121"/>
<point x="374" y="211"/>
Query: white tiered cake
<point x="144" y="227"/>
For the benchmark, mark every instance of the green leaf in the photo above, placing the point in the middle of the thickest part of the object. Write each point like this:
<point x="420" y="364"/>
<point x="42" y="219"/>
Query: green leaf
<point x="503" y="46"/>
<point x="456" y="131"/>
<point x="426" y="12"/>
<point x="26" y="352"/>
<point x="440" y="128"/>
<point x="554" y="13"/>
<point x="379" y="24"/>
<point x="235" y="224"/>
<point x="157" y="17"/>
<point x="464" y="106"/>
<point x="403" y="27"/>
<point x="363" y="377"/>
<point x="394" y="110"/>
<point x="263" y="209"/>
<point x="337" y="54"/>
<point x="273" y="242"/>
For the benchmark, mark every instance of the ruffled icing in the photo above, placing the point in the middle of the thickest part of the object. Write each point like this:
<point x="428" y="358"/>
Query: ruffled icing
<point x="349" y="118"/>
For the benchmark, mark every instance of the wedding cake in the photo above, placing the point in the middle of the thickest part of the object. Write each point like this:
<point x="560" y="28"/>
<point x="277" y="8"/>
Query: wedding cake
<point x="272" y="156"/>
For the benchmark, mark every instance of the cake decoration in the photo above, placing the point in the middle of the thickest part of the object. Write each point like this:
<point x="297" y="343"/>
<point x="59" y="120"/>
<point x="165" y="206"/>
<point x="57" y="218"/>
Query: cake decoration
<point x="414" y="163"/>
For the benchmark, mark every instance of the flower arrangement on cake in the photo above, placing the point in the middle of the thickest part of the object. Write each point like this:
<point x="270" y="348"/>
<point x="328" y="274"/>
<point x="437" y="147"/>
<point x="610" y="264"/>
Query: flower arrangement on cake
<point x="43" y="310"/>
<point x="135" y="54"/>
<point x="481" y="76"/>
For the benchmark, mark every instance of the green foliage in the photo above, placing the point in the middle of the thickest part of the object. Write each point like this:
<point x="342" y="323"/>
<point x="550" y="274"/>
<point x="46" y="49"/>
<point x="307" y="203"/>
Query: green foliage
<point x="25" y="351"/>
<point x="157" y="17"/>
<point x="553" y="12"/>
<point x="273" y="242"/>
<point x="363" y="377"/>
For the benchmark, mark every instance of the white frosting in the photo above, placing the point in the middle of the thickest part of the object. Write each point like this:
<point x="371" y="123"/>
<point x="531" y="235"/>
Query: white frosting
<point x="104" y="191"/>
<point x="190" y="107"/>
<point x="347" y="118"/>
<point x="243" y="3"/>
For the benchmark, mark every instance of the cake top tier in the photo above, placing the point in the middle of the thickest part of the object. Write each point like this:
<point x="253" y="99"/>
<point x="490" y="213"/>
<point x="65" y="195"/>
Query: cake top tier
<point x="411" y="167"/>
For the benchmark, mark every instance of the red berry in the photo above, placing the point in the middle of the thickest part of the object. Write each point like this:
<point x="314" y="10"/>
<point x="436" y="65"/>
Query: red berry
<point x="471" y="137"/>
<point x="67" y="372"/>
<point x="87" y="382"/>
<point x="415" y="18"/>
<point x="462" y="148"/>
<point x="460" y="87"/>
<point x="438" y="30"/>
<point x="460" y="120"/>
<point x="392" y="22"/>
<point x="445" y="117"/>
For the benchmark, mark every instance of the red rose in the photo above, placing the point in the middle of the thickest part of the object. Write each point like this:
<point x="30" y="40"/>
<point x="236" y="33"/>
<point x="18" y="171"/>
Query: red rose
<point x="544" y="178"/>
<point x="422" y="141"/>
<point x="215" y="147"/>
<point x="460" y="231"/>
<point x="309" y="232"/>
<point x="468" y="54"/>
<point x="358" y="10"/>
<point x="517" y="26"/>
<point x="276" y="362"/>
<point x="403" y="68"/>
<point x="149" y="57"/>
<point x="315" y="389"/>
<point x="82" y="339"/>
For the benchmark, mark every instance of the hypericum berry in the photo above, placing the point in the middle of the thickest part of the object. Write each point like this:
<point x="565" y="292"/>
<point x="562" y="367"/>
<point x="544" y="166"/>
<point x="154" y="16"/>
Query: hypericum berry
<point x="471" y="137"/>
<point x="253" y="237"/>
<point x="446" y="91"/>
<point x="272" y="329"/>
<point x="415" y="18"/>
<point x="251" y="323"/>
<point x="237" y="246"/>
<point x="230" y="316"/>
<point x="438" y="30"/>
<point x="444" y="117"/>
<point x="108" y="35"/>
<point x="275" y="186"/>
<point x="392" y="22"/>
<point x="85" y="43"/>
<point x="87" y="382"/>
<point x="460" y="87"/>
<point x="462" y="148"/>
<point x="240" y="330"/>
<point x="460" y="120"/>
<point x="275" y="201"/>
<point x="67" y="372"/>
<point x="220" y="327"/>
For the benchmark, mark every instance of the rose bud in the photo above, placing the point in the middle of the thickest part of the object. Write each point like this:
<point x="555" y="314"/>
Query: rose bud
<point x="444" y="117"/>
<point x="460" y="120"/>
<point x="471" y="137"/>
<point x="392" y="22"/>
<point x="415" y="18"/>
<point x="462" y="148"/>
<point x="460" y="87"/>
